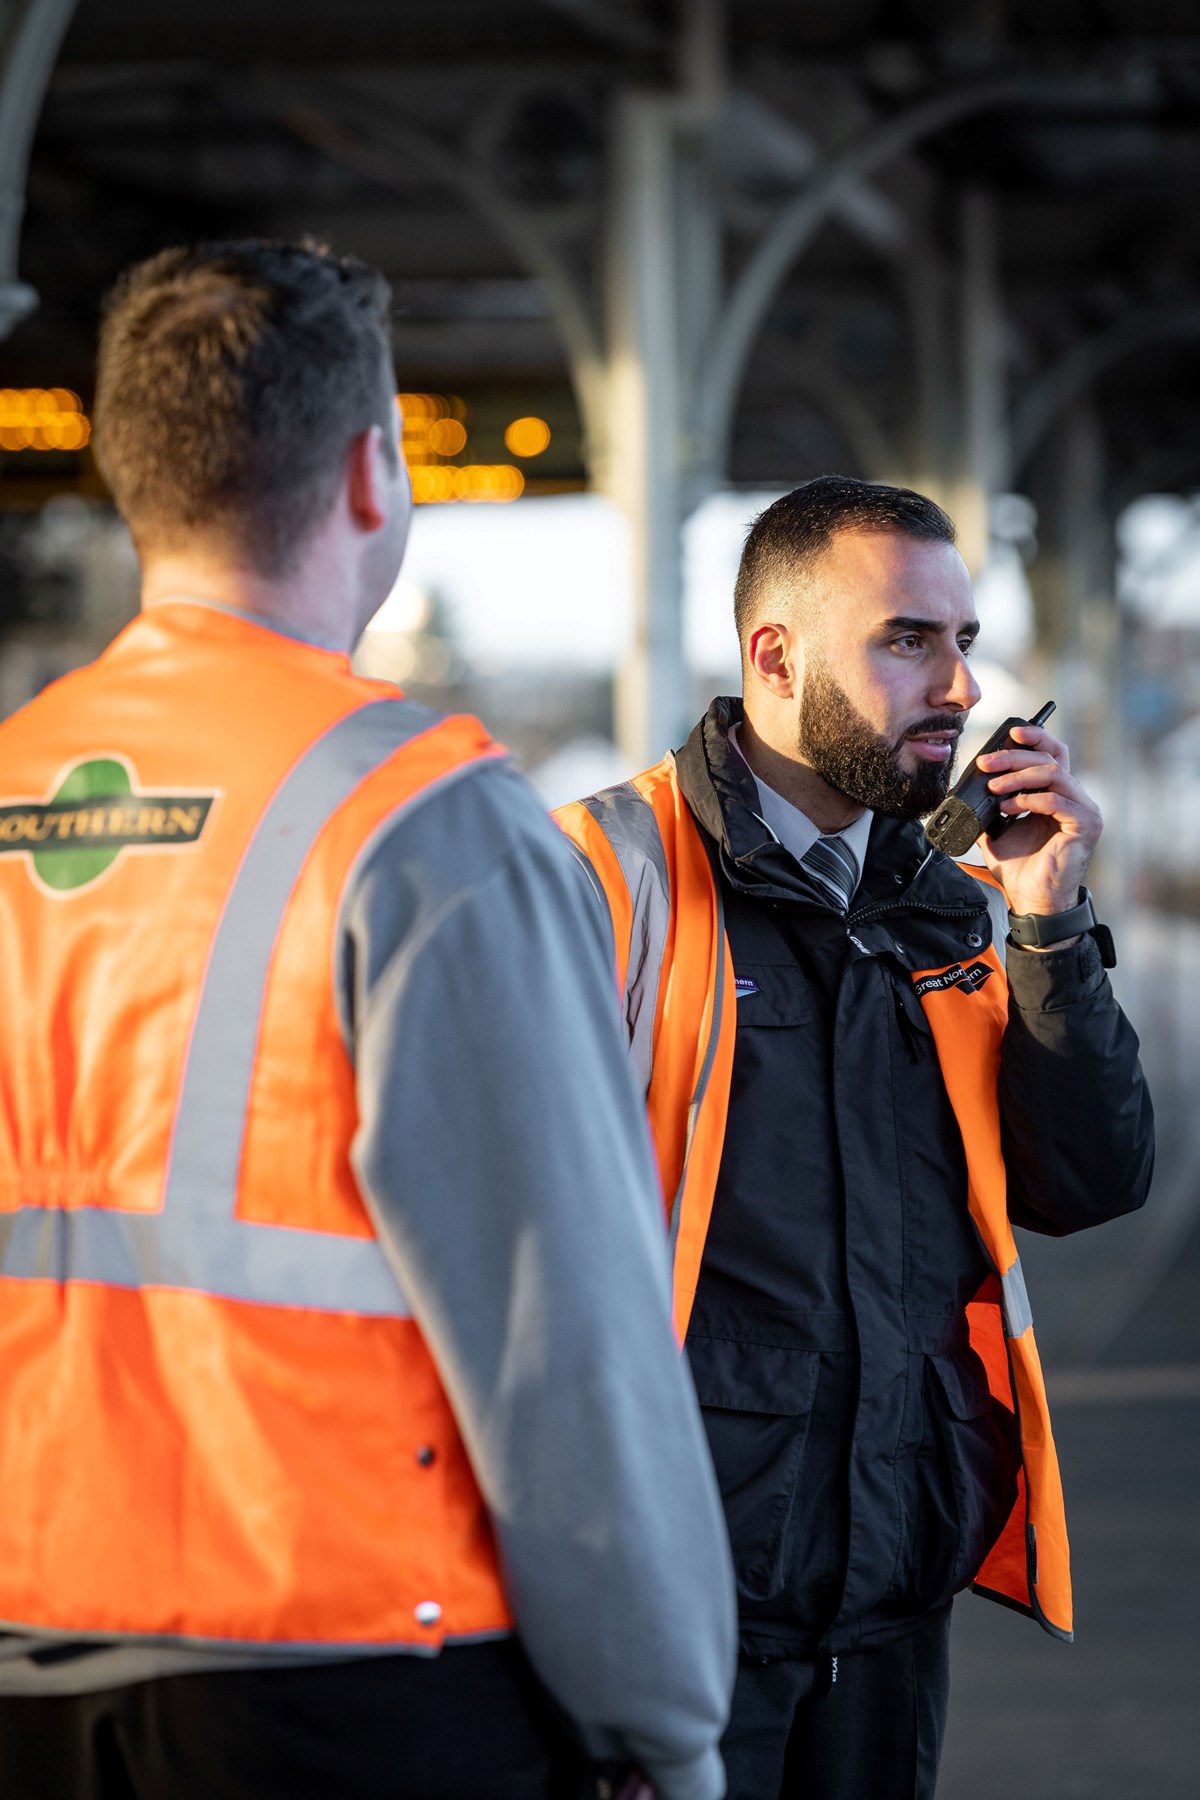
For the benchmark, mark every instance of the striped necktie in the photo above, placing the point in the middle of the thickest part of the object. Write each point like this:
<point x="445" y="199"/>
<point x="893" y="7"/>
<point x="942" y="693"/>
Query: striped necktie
<point x="832" y="866"/>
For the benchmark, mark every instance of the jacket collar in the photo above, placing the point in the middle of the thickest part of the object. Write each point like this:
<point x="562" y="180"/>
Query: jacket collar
<point x="718" y="786"/>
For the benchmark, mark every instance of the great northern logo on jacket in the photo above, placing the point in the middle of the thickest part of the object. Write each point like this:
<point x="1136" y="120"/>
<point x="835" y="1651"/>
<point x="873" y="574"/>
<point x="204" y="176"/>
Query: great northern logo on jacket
<point x="970" y="978"/>
<point x="96" y="810"/>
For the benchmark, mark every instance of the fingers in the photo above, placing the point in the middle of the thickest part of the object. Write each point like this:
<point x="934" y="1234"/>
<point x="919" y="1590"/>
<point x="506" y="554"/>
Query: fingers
<point x="1046" y="788"/>
<point x="1050" y="819"/>
<point x="1031" y="776"/>
<point x="1038" y="738"/>
<point x="1043" y="859"/>
<point x="1034" y="780"/>
<point x="1032" y="738"/>
<point x="1048" y="801"/>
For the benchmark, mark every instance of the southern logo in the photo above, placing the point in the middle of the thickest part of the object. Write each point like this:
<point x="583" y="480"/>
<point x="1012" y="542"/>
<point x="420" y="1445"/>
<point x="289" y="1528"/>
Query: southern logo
<point x="96" y="811"/>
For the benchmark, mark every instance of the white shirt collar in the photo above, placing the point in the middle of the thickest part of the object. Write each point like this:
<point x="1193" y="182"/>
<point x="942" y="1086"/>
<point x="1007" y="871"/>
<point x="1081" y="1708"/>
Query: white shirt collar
<point x="793" y="828"/>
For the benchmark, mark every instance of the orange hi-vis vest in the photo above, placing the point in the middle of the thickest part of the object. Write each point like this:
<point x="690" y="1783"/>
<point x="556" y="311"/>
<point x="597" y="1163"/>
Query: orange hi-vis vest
<point x="676" y="981"/>
<point x="219" y="1421"/>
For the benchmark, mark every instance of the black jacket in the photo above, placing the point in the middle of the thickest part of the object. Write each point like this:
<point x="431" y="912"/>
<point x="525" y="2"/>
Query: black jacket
<point x="864" y="1468"/>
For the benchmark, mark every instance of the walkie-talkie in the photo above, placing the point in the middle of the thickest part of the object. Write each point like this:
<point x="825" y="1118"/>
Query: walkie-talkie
<point x="970" y="808"/>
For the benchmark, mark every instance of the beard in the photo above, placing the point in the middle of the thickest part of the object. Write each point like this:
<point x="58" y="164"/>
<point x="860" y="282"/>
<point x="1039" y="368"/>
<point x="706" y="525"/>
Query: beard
<point x="845" y="750"/>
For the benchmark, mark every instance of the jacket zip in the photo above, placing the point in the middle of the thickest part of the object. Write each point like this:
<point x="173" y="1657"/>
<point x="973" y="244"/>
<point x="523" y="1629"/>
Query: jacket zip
<point x="867" y="914"/>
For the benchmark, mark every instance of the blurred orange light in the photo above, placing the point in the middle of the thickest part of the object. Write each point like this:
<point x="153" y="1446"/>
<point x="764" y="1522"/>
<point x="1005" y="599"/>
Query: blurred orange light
<point x="431" y="406"/>
<point x="432" y="426"/>
<point x="527" y="437"/>
<point x="447" y="437"/>
<point x="433" y="483"/>
<point x="42" y="419"/>
<point x="418" y="406"/>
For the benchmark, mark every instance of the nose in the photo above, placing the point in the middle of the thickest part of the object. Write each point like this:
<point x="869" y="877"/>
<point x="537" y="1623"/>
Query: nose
<point x="958" y="690"/>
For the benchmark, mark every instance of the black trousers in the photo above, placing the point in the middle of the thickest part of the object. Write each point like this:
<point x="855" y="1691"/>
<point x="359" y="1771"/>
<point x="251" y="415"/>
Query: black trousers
<point x="471" y="1724"/>
<point x="872" y="1733"/>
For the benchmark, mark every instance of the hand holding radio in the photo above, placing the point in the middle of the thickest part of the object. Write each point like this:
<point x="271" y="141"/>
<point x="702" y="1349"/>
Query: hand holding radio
<point x="971" y="807"/>
<point x="1036" y="826"/>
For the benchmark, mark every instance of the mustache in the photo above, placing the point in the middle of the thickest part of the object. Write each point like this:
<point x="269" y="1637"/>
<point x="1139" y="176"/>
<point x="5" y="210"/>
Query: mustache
<point x="934" y="722"/>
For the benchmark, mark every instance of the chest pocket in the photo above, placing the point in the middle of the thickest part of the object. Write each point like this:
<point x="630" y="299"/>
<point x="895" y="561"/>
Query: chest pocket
<point x="771" y="996"/>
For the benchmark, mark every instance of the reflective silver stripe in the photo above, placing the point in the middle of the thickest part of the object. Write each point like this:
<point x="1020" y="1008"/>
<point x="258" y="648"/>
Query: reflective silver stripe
<point x="629" y="824"/>
<point x="280" y="1653"/>
<point x="1017" y="1315"/>
<point x="196" y="1242"/>
<point x="366" y="851"/>
<point x="710" y="1052"/>
<point x="232" y="1259"/>
<point x="206" y="1142"/>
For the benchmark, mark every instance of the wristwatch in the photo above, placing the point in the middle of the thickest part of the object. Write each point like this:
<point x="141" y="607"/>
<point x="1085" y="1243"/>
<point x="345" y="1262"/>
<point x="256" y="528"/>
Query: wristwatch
<point x="1039" y="930"/>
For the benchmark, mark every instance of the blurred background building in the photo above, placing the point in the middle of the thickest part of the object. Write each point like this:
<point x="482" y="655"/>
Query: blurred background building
<point x="656" y="261"/>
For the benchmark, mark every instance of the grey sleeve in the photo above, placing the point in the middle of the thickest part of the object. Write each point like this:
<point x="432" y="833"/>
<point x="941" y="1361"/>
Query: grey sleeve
<point x="507" y="1165"/>
<point x="1076" y="1118"/>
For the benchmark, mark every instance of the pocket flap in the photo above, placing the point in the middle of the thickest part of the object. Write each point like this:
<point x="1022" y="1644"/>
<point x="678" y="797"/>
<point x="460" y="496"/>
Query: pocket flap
<point x="761" y="1378"/>
<point x="964" y="1383"/>
<point x="770" y="995"/>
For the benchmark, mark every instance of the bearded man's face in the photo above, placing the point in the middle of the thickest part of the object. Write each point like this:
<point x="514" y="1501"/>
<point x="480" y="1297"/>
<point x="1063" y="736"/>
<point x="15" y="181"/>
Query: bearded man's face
<point x="886" y="686"/>
<point x="866" y="765"/>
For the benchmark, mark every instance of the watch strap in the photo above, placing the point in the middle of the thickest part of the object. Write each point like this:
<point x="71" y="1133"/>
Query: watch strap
<point x="1040" y="930"/>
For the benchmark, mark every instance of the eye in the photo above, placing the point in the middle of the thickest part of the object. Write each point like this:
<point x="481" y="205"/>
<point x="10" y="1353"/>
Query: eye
<point x="911" y="640"/>
<point x="966" y="645"/>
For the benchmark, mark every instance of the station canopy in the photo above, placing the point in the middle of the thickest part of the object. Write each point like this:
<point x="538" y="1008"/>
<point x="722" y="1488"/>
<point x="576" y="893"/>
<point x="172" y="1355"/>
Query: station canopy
<point x="457" y="143"/>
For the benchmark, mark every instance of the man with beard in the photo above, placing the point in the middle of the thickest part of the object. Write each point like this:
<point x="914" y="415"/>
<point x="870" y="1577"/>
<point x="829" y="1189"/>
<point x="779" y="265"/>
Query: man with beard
<point x="856" y="1082"/>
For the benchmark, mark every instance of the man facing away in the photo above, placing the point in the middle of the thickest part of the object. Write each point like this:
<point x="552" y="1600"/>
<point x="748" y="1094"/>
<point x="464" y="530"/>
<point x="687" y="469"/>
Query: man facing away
<point x="855" y="1088"/>
<point x="340" y="1412"/>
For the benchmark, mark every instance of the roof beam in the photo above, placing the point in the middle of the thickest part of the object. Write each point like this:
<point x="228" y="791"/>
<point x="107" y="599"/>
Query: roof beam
<point x="614" y="23"/>
<point x="1057" y="388"/>
<point x="353" y="129"/>
<point x="799" y="222"/>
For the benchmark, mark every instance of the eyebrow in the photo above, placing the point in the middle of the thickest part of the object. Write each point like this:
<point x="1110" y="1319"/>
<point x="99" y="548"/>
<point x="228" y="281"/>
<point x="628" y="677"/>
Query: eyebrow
<point x="969" y="629"/>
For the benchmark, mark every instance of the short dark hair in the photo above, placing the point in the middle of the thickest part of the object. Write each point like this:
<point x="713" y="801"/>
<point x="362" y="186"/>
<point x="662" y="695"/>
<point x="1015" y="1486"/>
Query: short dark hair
<point x="232" y="379"/>
<point x="790" y="535"/>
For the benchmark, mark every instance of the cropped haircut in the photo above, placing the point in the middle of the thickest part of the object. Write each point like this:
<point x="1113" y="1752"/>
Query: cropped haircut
<point x="232" y="379"/>
<point x="789" y="537"/>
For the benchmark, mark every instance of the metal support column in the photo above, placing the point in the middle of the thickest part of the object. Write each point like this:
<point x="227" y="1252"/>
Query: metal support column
<point x="30" y="34"/>
<point x="927" y="286"/>
<point x="984" y="439"/>
<point x="660" y="294"/>
<point x="1079" y="627"/>
<point x="642" y="472"/>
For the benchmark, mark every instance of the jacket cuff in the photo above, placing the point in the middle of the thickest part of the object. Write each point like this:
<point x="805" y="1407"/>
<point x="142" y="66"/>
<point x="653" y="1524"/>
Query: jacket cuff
<point x="702" y="1778"/>
<point x="1052" y="980"/>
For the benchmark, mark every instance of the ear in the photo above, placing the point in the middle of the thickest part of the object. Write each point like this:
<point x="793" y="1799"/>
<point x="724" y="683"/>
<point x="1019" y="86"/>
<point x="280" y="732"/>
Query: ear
<point x="366" y="479"/>
<point x="776" y="660"/>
